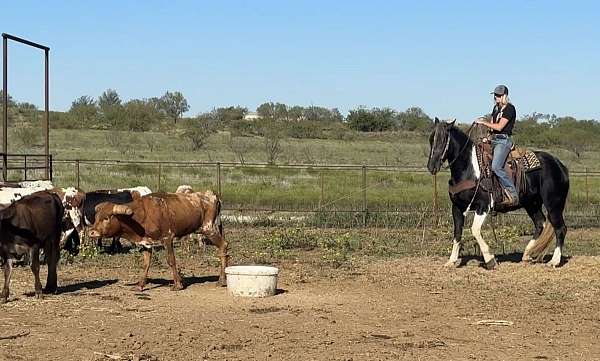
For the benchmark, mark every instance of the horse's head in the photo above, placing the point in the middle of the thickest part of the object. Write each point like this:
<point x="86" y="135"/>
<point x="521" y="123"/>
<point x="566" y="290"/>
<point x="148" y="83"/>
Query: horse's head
<point x="439" y="141"/>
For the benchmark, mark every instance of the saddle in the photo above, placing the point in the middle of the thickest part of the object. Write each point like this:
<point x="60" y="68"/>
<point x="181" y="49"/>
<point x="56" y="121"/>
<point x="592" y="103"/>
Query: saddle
<point x="520" y="160"/>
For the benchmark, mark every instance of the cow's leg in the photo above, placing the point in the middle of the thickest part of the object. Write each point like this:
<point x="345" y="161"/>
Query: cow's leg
<point x="215" y="235"/>
<point x="35" y="268"/>
<point x="115" y="246"/>
<point x="459" y="221"/>
<point x="177" y="284"/>
<point x="488" y="257"/>
<point x="53" y="254"/>
<point x="7" y="273"/>
<point x="147" y="259"/>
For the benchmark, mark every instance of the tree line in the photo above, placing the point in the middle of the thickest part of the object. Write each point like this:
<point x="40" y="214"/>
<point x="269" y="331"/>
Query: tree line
<point x="278" y="120"/>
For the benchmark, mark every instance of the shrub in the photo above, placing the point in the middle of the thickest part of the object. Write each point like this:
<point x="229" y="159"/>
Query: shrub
<point x="28" y="136"/>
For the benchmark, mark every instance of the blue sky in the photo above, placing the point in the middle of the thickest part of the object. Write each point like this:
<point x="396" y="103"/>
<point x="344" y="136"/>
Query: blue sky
<point x="443" y="56"/>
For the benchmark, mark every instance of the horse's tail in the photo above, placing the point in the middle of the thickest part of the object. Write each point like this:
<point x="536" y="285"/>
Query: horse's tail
<point x="538" y="249"/>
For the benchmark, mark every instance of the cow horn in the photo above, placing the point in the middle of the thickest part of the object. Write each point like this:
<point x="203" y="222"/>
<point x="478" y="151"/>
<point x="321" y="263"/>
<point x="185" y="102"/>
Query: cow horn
<point x="122" y="209"/>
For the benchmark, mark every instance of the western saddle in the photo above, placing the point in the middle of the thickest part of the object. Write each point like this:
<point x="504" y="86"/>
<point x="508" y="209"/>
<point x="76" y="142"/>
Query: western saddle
<point x="520" y="160"/>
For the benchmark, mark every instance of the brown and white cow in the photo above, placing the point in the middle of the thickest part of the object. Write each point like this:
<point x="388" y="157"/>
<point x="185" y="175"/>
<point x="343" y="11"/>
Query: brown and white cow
<point x="31" y="223"/>
<point x="160" y="217"/>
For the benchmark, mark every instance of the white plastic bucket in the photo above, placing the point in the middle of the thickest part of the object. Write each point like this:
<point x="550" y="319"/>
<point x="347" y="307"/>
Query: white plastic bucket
<point x="252" y="281"/>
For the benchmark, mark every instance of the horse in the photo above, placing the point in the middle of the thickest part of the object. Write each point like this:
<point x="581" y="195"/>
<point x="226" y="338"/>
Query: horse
<point x="546" y="186"/>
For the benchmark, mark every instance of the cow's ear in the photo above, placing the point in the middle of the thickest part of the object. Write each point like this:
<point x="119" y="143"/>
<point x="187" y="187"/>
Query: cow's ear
<point x="436" y="120"/>
<point x="99" y="206"/>
<point x="122" y="209"/>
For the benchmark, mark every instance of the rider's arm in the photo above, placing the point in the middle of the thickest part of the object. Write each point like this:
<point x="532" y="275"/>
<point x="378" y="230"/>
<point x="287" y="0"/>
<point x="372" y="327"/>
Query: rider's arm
<point x="495" y="126"/>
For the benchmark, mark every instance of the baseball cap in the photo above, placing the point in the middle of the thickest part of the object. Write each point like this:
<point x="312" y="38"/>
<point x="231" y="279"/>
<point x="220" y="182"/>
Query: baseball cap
<point x="500" y="90"/>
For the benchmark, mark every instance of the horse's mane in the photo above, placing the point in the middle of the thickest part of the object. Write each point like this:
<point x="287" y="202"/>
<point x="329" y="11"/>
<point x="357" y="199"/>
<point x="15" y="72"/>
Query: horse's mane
<point x="476" y="133"/>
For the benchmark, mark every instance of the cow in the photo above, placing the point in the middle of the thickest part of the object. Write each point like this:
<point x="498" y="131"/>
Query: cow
<point x="31" y="223"/>
<point x="85" y="205"/>
<point x="158" y="218"/>
<point x="12" y="192"/>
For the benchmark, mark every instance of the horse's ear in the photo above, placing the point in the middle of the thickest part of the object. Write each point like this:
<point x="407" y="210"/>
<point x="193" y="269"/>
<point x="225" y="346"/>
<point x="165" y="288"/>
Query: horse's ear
<point x="436" y="120"/>
<point x="451" y="122"/>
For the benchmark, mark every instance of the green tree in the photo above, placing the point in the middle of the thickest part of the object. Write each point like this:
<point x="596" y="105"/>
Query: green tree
<point x="229" y="114"/>
<point x="140" y="115"/>
<point x="374" y="120"/>
<point x="11" y="101"/>
<point x="414" y="119"/>
<point x="273" y="138"/>
<point x="198" y="131"/>
<point x="266" y="110"/>
<point x="110" y="106"/>
<point x="295" y="113"/>
<point x="109" y="98"/>
<point x="84" y="110"/>
<point x="174" y="105"/>
<point x="576" y="135"/>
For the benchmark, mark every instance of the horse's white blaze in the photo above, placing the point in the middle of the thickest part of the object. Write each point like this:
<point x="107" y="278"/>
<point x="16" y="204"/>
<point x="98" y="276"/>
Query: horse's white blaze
<point x="556" y="257"/>
<point x="476" y="230"/>
<point x="455" y="252"/>
<point x="475" y="163"/>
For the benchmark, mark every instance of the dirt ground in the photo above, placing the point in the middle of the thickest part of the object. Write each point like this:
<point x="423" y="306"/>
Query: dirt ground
<point x="410" y="308"/>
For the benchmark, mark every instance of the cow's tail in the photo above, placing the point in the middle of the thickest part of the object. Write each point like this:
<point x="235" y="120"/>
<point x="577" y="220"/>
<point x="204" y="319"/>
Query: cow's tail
<point x="214" y="201"/>
<point x="217" y="220"/>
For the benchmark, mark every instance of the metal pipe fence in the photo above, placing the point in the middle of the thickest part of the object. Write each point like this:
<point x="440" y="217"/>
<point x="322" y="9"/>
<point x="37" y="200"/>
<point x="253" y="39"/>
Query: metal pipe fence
<point x="319" y="195"/>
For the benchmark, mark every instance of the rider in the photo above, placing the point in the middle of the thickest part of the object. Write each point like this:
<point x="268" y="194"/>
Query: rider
<point x="503" y="120"/>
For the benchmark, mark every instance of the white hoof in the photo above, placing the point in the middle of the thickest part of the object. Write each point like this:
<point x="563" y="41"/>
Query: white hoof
<point x="553" y="263"/>
<point x="452" y="264"/>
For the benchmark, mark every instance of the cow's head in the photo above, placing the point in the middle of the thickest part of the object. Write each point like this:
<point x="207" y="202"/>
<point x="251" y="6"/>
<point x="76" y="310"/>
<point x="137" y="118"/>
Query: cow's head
<point x="72" y="200"/>
<point x="107" y="222"/>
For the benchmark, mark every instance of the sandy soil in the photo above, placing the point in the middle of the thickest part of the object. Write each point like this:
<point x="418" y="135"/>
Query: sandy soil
<point x="405" y="309"/>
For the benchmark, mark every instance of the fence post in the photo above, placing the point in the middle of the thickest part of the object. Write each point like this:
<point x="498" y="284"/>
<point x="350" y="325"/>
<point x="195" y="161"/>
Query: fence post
<point x="321" y="197"/>
<point x="77" y="173"/>
<point x="219" y="179"/>
<point x="159" y="174"/>
<point x="4" y="167"/>
<point x="587" y="189"/>
<point x="435" y="200"/>
<point x="364" y="187"/>
<point x="25" y="166"/>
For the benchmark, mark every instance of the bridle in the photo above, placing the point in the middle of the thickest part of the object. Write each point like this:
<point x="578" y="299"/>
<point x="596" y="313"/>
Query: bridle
<point x="462" y="149"/>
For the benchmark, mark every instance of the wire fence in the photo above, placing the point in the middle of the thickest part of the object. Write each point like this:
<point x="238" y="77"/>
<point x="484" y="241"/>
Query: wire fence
<point x="314" y="195"/>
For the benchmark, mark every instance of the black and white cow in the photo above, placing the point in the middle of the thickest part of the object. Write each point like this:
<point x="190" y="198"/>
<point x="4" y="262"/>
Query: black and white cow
<point x="85" y="204"/>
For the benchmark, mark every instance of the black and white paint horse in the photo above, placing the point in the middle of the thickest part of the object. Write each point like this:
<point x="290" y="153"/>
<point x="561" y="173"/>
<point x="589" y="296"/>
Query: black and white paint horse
<point x="547" y="186"/>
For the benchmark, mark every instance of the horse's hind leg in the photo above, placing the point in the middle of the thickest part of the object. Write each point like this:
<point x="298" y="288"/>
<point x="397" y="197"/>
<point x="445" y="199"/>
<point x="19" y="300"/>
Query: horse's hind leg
<point x="560" y="231"/>
<point x="538" y="218"/>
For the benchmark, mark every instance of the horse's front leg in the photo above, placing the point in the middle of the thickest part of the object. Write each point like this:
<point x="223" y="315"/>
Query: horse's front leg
<point x="488" y="257"/>
<point x="459" y="221"/>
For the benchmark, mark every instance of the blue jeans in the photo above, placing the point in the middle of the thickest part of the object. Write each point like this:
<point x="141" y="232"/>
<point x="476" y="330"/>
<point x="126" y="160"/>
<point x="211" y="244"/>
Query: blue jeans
<point x="501" y="145"/>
